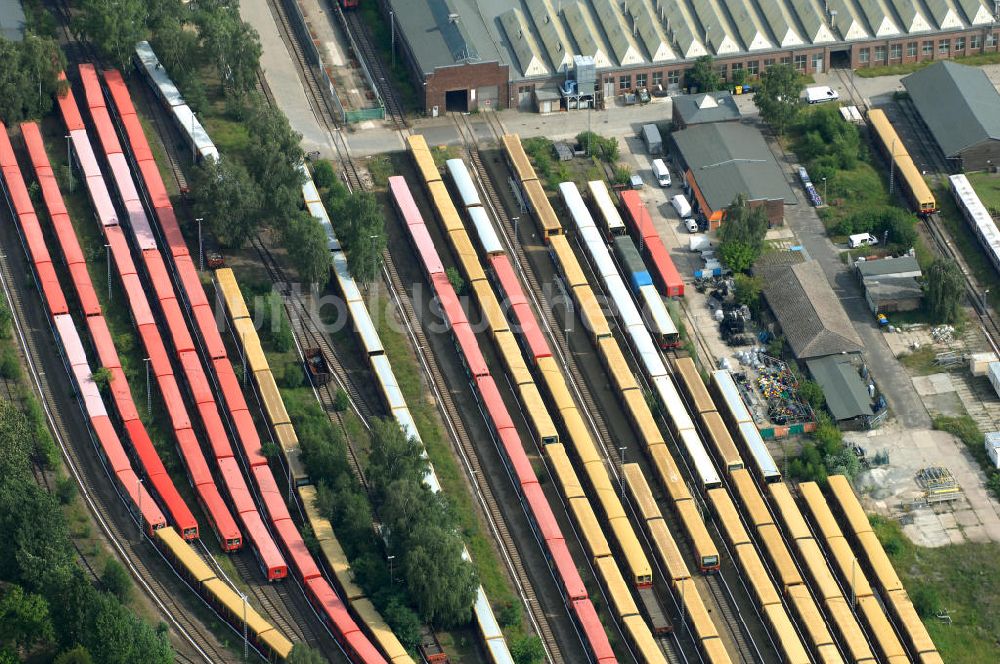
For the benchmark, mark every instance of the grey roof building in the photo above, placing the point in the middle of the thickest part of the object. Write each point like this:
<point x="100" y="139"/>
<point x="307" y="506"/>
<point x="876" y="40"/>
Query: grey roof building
<point x="722" y="160"/>
<point x="891" y="284"/>
<point x="903" y="266"/>
<point x="810" y="314"/>
<point x="961" y="107"/>
<point x="11" y="20"/>
<point x="846" y="394"/>
<point x="706" y="107"/>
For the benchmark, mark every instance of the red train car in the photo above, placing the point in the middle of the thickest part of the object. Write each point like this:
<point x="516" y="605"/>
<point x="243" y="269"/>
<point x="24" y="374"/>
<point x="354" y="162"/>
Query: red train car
<point x="641" y="228"/>
<point x="531" y="334"/>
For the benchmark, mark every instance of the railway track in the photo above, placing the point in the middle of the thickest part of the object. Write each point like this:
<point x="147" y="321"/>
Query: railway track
<point x="361" y="37"/>
<point x="88" y="477"/>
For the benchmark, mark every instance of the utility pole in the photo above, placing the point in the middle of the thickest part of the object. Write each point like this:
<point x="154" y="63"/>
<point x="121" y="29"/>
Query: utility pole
<point x="245" y="648"/>
<point x="138" y="490"/>
<point x="107" y="255"/>
<point x="392" y="28"/>
<point x="149" y="395"/>
<point x="201" y="247"/>
<point x="391" y="577"/>
<point x="621" y="476"/>
<point x="69" y="160"/>
<point x="892" y="166"/>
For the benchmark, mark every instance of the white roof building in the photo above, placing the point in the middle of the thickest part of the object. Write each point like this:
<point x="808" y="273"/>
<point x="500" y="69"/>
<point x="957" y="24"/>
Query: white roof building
<point x="619" y="34"/>
<point x="588" y="39"/>
<point x="647" y="27"/>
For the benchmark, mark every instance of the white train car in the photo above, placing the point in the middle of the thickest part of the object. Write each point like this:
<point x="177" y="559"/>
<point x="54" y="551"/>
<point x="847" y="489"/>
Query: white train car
<point x="389" y="388"/>
<point x="739" y="418"/>
<point x="606" y="208"/>
<point x="657" y="318"/>
<point x="488" y="237"/>
<point x="197" y="139"/>
<point x="978" y="217"/>
<point x="644" y="348"/>
<point x="464" y="184"/>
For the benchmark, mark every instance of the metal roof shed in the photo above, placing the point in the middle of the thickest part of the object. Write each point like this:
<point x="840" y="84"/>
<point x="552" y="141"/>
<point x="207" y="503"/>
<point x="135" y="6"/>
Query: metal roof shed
<point x="846" y="394"/>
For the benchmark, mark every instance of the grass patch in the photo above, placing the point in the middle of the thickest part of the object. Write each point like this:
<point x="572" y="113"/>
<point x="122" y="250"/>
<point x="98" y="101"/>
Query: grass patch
<point x="439" y="450"/>
<point x="910" y="67"/>
<point x="920" y="361"/>
<point x="987" y="185"/>
<point x="963" y="579"/>
<point x="849" y="191"/>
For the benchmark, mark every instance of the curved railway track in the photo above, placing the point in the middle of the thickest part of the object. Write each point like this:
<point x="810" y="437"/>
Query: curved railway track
<point x="720" y="589"/>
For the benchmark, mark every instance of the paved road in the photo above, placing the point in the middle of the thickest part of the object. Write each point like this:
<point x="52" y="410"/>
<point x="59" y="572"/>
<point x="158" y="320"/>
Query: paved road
<point x="889" y="374"/>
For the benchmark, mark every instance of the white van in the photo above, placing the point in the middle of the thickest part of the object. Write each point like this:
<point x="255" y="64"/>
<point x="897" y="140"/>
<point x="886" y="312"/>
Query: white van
<point x="661" y="172"/>
<point x="681" y="205"/>
<point x="821" y="93"/>
<point x="861" y="240"/>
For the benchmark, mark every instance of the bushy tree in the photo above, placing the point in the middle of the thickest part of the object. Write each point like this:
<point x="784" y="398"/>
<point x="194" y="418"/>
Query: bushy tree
<point x="114" y="26"/>
<point x="943" y="288"/>
<point x="703" y="75"/>
<point x="229" y="200"/>
<point x="893" y="225"/>
<point x="360" y="226"/>
<point x="742" y="234"/>
<point x="323" y="174"/>
<point x="303" y="654"/>
<point x="235" y="47"/>
<point x="527" y="650"/>
<point x="115" y="580"/>
<point x="305" y="240"/>
<point x="748" y="290"/>
<point x="29" y="77"/>
<point x="273" y="158"/>
<point x="24" y="619"/>
<point x="777" y="96"/>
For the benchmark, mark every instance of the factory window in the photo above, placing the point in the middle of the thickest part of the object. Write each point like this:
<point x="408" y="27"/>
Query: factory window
<point x="737" y="67"/>
<point x="722" y="71"/>
<point x="974" y="41"/>
<point x="768" y="63"/>
<point x="524" y="89"/>
<point x="787" y="60"/>
<point x="640" y="80"/>
<point x="657" y="78"/>
<point x="753" y="67"/>
<point x="928" y="49"/>
<point x="864" y="54"/>
<point x="673" y="76"/>
<point x="991" y="40"/>
<point x="625" y="82"/>
<point x="896" y="52"/>
<point x="800" y="63"/>
<point x="817" y="62"/>
<point x="880" y="54"/>
<point x="911" y="49"/>
<point x="959" y="44"/>
<point x="944" y="46"/>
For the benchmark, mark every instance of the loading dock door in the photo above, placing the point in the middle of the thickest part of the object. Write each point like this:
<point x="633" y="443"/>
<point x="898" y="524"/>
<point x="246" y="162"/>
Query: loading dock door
<point x="456" y="101"/>
<point x="488" y="97"/>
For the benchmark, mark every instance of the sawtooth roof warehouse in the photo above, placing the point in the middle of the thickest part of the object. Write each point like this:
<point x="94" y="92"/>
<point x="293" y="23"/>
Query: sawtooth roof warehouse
<point x="471" y="54"/>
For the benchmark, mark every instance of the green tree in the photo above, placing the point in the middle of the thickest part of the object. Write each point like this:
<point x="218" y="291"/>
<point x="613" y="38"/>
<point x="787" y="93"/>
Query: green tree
<point x="306" y="242"/>
<point x="777" y="96"/>
<point x="748" y="290"/>
<point x="76" y="655"/>
<point x="456" y="280"/>
<point x="441" y="583"/>
<point x="115" y="580"/>
<point x="227" y="197"/>
<point x="24" y="619"/>
<point x="273" y="159"/>
<point x="703" y="75"/>
<point x="102" y="378"/>
<point x="178" y="49"/>
<point x="393" y="457"/>
<point x="943" y="287"/>
<point x="113" y="25"/>
<point x="235" y="47"/>
<point x="404" y="622"/>
<point x="341" y="402"/>
<point x="29" y="77"/>
<point x="323" y="174"/>
<point x="737" y="255"/>
<point x="360" y="225"/>
<point x="303" y="654"/>
<point x="527" y="649"/>
<point x="622" y="174"/>
<point x="812" y="394"/>
<point x="926" y="601"/>
<point x="6" y="319"/>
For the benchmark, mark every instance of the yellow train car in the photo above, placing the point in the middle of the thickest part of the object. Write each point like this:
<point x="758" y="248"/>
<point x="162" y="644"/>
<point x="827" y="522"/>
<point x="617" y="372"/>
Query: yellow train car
<point x="617" y="367"/>
<point x="848" y="567"/>
<point x="668" y="473"/>
<point x="380" y="631"/>
<point x="274" y="405"/>
<point x="819" y="512"/>
<point x="570" y="269"/>
<point x="582" y="444"/>
<point x="824" y="585"/>
<point x="779" y="557"/>
<point x="244" y="330"/>
<point x="236" y="307"/>
<point x="788" y="512"/>
<point x="567" y="478"/>
<point x="641" y="418"/>
<point x="614" y="584"/>
<point x="829" y="654"/>
<point x="517" y="158"/>
<point x="289" y="443"/>
<point x="490" y="308"/>
<point x="807" y="612"/>
<point x="728" y="518"/>
<point x="665" y="548"/>
<point x="232" y="605"/>
<point x="424" y="158"/>
<point x="541" y="209"/>
<point x="642" y="641"/>
<point x="694" y="610"/>
<point x="888" y="644"/>
<point x="510" y="354"/>
<point x="753" y="569"/>
<point x="692" y="385"/>
<point x="893" y="149"/>
<point x="192" y="566"/>
<point x="639" y="490"/>
<point x="590" y="528"/>
<point x="468" y="259"/>
<point x="446" y="211"/>
<point x="538" y="415"/>
<point x="848" y="506"/>
<point x="705" y="551"/>
<point x="852" y="639"/>
<point x="715" y="652"/>
<point x="722" y="445"/>
<point x="789" y="644"/>
<point x="750" y="499"/>
<point x="881" y="567"/>
<point x="554" y="383"/>
<point x="594" y="320"/>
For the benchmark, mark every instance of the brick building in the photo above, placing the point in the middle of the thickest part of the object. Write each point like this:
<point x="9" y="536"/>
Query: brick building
<point x="463" y="50"/>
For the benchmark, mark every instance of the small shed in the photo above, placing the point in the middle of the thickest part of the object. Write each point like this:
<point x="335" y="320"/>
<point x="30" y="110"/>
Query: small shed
<point x="890" y="284"/>
<point x="848" y="398"/>
<point x="547" y="100"/>
<point x="698" y="109"/>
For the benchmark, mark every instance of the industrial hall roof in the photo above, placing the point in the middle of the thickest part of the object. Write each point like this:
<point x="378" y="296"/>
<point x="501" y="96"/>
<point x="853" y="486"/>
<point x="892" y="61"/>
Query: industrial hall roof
<point x="845" y="392"/>
<point x="540" y="37"/>
<point x="957" y="103"/>
<point x="727" y="159"/>
<point x="810" y="314"/>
